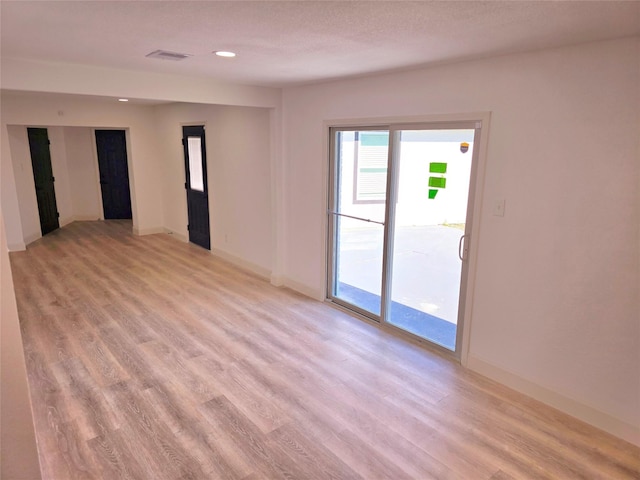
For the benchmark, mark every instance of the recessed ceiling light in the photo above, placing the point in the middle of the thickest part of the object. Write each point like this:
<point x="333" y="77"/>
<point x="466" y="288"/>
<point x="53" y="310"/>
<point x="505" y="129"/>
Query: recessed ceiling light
<point x="225" y="54"/>
<point x="123" y="99"/>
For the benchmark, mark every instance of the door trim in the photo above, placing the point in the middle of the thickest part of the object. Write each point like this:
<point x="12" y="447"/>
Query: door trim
<point x="475" y="197"/>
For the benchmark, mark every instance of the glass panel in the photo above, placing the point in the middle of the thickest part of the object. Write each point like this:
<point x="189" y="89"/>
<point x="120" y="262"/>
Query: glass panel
<point x="359" y="206"/>
<point x="196" y="178"/>
<point x="359" y="263"/>
<point x="434" y="169"/>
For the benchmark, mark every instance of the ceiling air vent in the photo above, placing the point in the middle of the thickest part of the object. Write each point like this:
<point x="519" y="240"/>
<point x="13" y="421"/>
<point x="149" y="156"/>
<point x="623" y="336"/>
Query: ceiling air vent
<point x="165" y="55"/>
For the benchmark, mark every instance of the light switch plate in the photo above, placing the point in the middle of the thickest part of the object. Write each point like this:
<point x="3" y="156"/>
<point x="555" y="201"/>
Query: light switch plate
<point x="498" y="207"/>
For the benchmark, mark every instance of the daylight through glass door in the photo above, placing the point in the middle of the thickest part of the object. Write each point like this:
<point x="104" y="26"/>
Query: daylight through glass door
<point x="399" y="225"/>
<point x="432" y="169"/>
<point x="356" y="218"/>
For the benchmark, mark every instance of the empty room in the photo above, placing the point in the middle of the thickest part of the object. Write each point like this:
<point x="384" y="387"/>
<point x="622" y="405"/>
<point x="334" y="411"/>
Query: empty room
<point x="320" y="239"/>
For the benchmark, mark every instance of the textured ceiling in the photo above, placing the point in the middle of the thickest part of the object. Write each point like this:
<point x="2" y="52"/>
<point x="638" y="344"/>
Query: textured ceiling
<point x="283" y="43"/>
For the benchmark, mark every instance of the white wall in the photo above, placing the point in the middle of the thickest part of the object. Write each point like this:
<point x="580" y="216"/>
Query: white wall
<point x="19" y="456"/>
<point x="83" y="173"/>
<point x="58" y="150"/>
<point x="24" y="182"/>
<point x="58" y="111"/>
<point x="25" y="186"/>
<point x="554" y="310"/>
<point x="74" y="168"/>
<point x="239" y="179"/>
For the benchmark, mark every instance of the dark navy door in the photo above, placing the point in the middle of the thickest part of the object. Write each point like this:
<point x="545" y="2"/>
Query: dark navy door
<point x="114" y="173"/>
<point x="43" y="178"/>
<point x="195" y="164"/>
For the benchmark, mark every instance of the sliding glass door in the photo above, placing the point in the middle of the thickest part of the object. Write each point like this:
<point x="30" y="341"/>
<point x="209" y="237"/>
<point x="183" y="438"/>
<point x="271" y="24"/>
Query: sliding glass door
<point x="399" y="223"/>
<point x="356" y="218"/>
<point x="428" y="222"/>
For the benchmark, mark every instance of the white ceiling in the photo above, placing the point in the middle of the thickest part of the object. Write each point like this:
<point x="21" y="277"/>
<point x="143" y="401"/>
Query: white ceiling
<point x="281" y="43"/>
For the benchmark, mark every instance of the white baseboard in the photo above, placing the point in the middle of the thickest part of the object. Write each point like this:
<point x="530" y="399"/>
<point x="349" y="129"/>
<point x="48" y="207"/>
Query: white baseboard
<point x="16" y="247"/>
<point x="242" y="263"/>
<point x="148" y="231"/>
<point x="86" y="218"/>
<point x="590" y="415"/>
<point x="277" y="280"/>
<point x="301" y="288"/>
<point x="31" y="238"/>
<point x="66" y="221"/>
<point x="178" y="236"/>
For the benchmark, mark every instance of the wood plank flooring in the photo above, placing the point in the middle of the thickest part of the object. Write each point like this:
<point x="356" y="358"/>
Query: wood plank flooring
<point x="149" y="358"/>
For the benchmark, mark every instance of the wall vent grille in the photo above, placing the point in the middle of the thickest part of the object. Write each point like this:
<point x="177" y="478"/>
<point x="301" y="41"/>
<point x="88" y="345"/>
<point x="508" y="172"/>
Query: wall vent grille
<point x="166" y="55"/>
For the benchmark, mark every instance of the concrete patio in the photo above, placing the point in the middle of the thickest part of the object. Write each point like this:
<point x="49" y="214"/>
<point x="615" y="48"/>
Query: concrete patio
<point x="425" y="280"/>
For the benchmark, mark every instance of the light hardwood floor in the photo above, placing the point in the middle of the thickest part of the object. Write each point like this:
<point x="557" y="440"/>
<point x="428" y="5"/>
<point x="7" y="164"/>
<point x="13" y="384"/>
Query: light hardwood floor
<point x="149" y="358"/>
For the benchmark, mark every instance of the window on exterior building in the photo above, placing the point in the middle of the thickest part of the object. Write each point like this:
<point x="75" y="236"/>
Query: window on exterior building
<point x="371" y="156"/>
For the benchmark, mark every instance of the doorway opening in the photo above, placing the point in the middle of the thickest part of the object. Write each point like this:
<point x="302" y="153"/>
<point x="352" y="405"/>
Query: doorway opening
<point x="111" y="146"/>
<point x="399" y="224"/>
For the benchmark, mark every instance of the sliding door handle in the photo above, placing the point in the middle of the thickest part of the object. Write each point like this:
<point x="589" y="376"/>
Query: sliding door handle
<point x="462" y="248"/>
